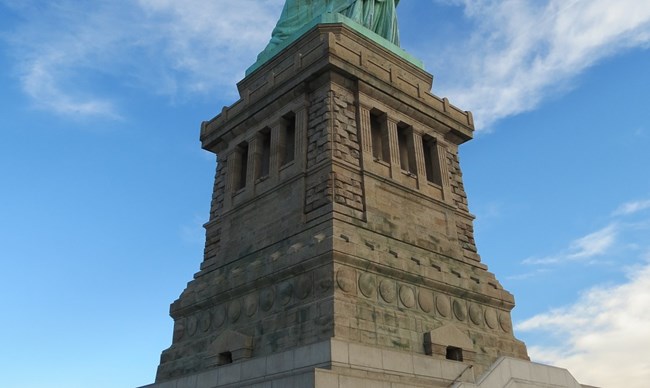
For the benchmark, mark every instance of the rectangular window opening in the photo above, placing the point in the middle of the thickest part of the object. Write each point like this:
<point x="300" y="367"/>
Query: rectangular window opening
<point x="454" y="353"/>
<point x="379" y="136"/>
<point x="288" y="141"/>
<point x="224" y="358"/>
<point x="431" y="160"/>
<point x="242" y="156"/>
<point x="264" y="154"/>
<point x="406" y="149"/>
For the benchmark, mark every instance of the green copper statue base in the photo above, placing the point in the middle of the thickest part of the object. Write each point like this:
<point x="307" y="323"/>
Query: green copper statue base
<point x="333" y="18"/>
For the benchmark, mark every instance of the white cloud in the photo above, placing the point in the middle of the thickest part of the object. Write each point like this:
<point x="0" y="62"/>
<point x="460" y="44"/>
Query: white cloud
<point x="632" y="207"/>
<point x="604" y="336"/>
<point x="52" y="50"/>
<point x="523" y="52"/>
<point x="519" y="53"/>
<point x="40" y="83"/>
<point x="70" y="55"/>
<point x="211" y="43"/>
<point x="592" y="245"/>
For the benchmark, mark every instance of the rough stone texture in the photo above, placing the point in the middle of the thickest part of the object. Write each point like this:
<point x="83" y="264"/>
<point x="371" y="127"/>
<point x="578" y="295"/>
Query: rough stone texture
<point x="334" y="244"/>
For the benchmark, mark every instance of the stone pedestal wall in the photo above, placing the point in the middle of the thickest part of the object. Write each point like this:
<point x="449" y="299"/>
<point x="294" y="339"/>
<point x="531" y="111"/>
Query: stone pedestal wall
<point x="338" y="214"/>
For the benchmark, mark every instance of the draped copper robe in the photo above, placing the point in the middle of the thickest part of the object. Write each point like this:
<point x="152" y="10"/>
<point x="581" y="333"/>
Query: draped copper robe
<point x="377" y="15"/>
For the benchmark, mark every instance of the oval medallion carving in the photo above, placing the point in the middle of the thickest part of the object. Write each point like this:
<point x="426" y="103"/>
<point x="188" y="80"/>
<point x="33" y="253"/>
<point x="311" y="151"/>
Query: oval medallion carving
<point x="387" y="291"/>
<point x="504" y="322"/>
<point x="234" y="311"/>
<point x="345" y="279"/>
<point x="250" y="305"/>
<point x="204" y="321"/>
<point x="284" y="293"/>
<point x="475" y="314"/>
<point x="443" y="305"/>
<point x="425" y="299"/>
<point x="323" y="281"/>
<point x="191" y="325"/>
<point x="459" y="310"/>
<point x="179" y="329"/>
<point x="303" y="286"/>
<point x="266" y="299"/>
<point x="407" y="296"/>
<point x="218" y="316"/>
<point x="491" y="318"/>
<point x="367" y="285"/>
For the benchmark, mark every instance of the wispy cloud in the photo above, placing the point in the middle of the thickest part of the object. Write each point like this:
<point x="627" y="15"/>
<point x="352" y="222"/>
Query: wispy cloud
<point x="41" y="84"/>
<point x="603" y="335"/>
<point x="523" y="52"/>
<point x="520" y="53"/>
<point x="632" y="207"/>
<point x="529" y="275"/>
<point x="70" y="56"/>
<point x="589" y="246"/>
<point x="594" y="244"/>
<point x="58" y="48"/>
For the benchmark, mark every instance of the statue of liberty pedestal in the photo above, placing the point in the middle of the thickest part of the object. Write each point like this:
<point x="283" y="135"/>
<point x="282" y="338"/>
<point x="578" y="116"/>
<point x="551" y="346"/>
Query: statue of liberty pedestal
<point x="377" y="15"/>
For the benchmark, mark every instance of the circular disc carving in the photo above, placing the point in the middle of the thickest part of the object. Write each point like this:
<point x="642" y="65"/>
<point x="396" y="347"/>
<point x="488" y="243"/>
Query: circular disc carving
<point x="367" y="285"/>
<point x="387" y="291"/>
<point x="250" y="305"/>
<point x="234" y="311"/>
<point x="443" y="305"/>
<point x="407" y="296"/>
<point x="345" y="279"/>
<point x="266" y="299"/>
<point x="425" y="300"/>
<point x="204" y="321"/>
<point x="303" y="286"/>
<point x="475" y="314"/>
<point x="191" y="325"/>
<point x="179" y="329"/>
<point x="284" y="293"/>
<point x="218" y="316"/>
<point x="491" y="318"/>
<point x="504" y="322"/>
<point x="459" y="310"/>
<point x="324" y="281"/>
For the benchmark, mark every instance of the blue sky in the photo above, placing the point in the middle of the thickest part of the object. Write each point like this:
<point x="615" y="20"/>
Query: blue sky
<point x="105" y="187"/>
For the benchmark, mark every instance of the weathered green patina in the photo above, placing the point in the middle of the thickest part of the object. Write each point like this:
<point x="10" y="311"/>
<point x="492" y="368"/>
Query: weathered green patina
<point x="377" y="17"/>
